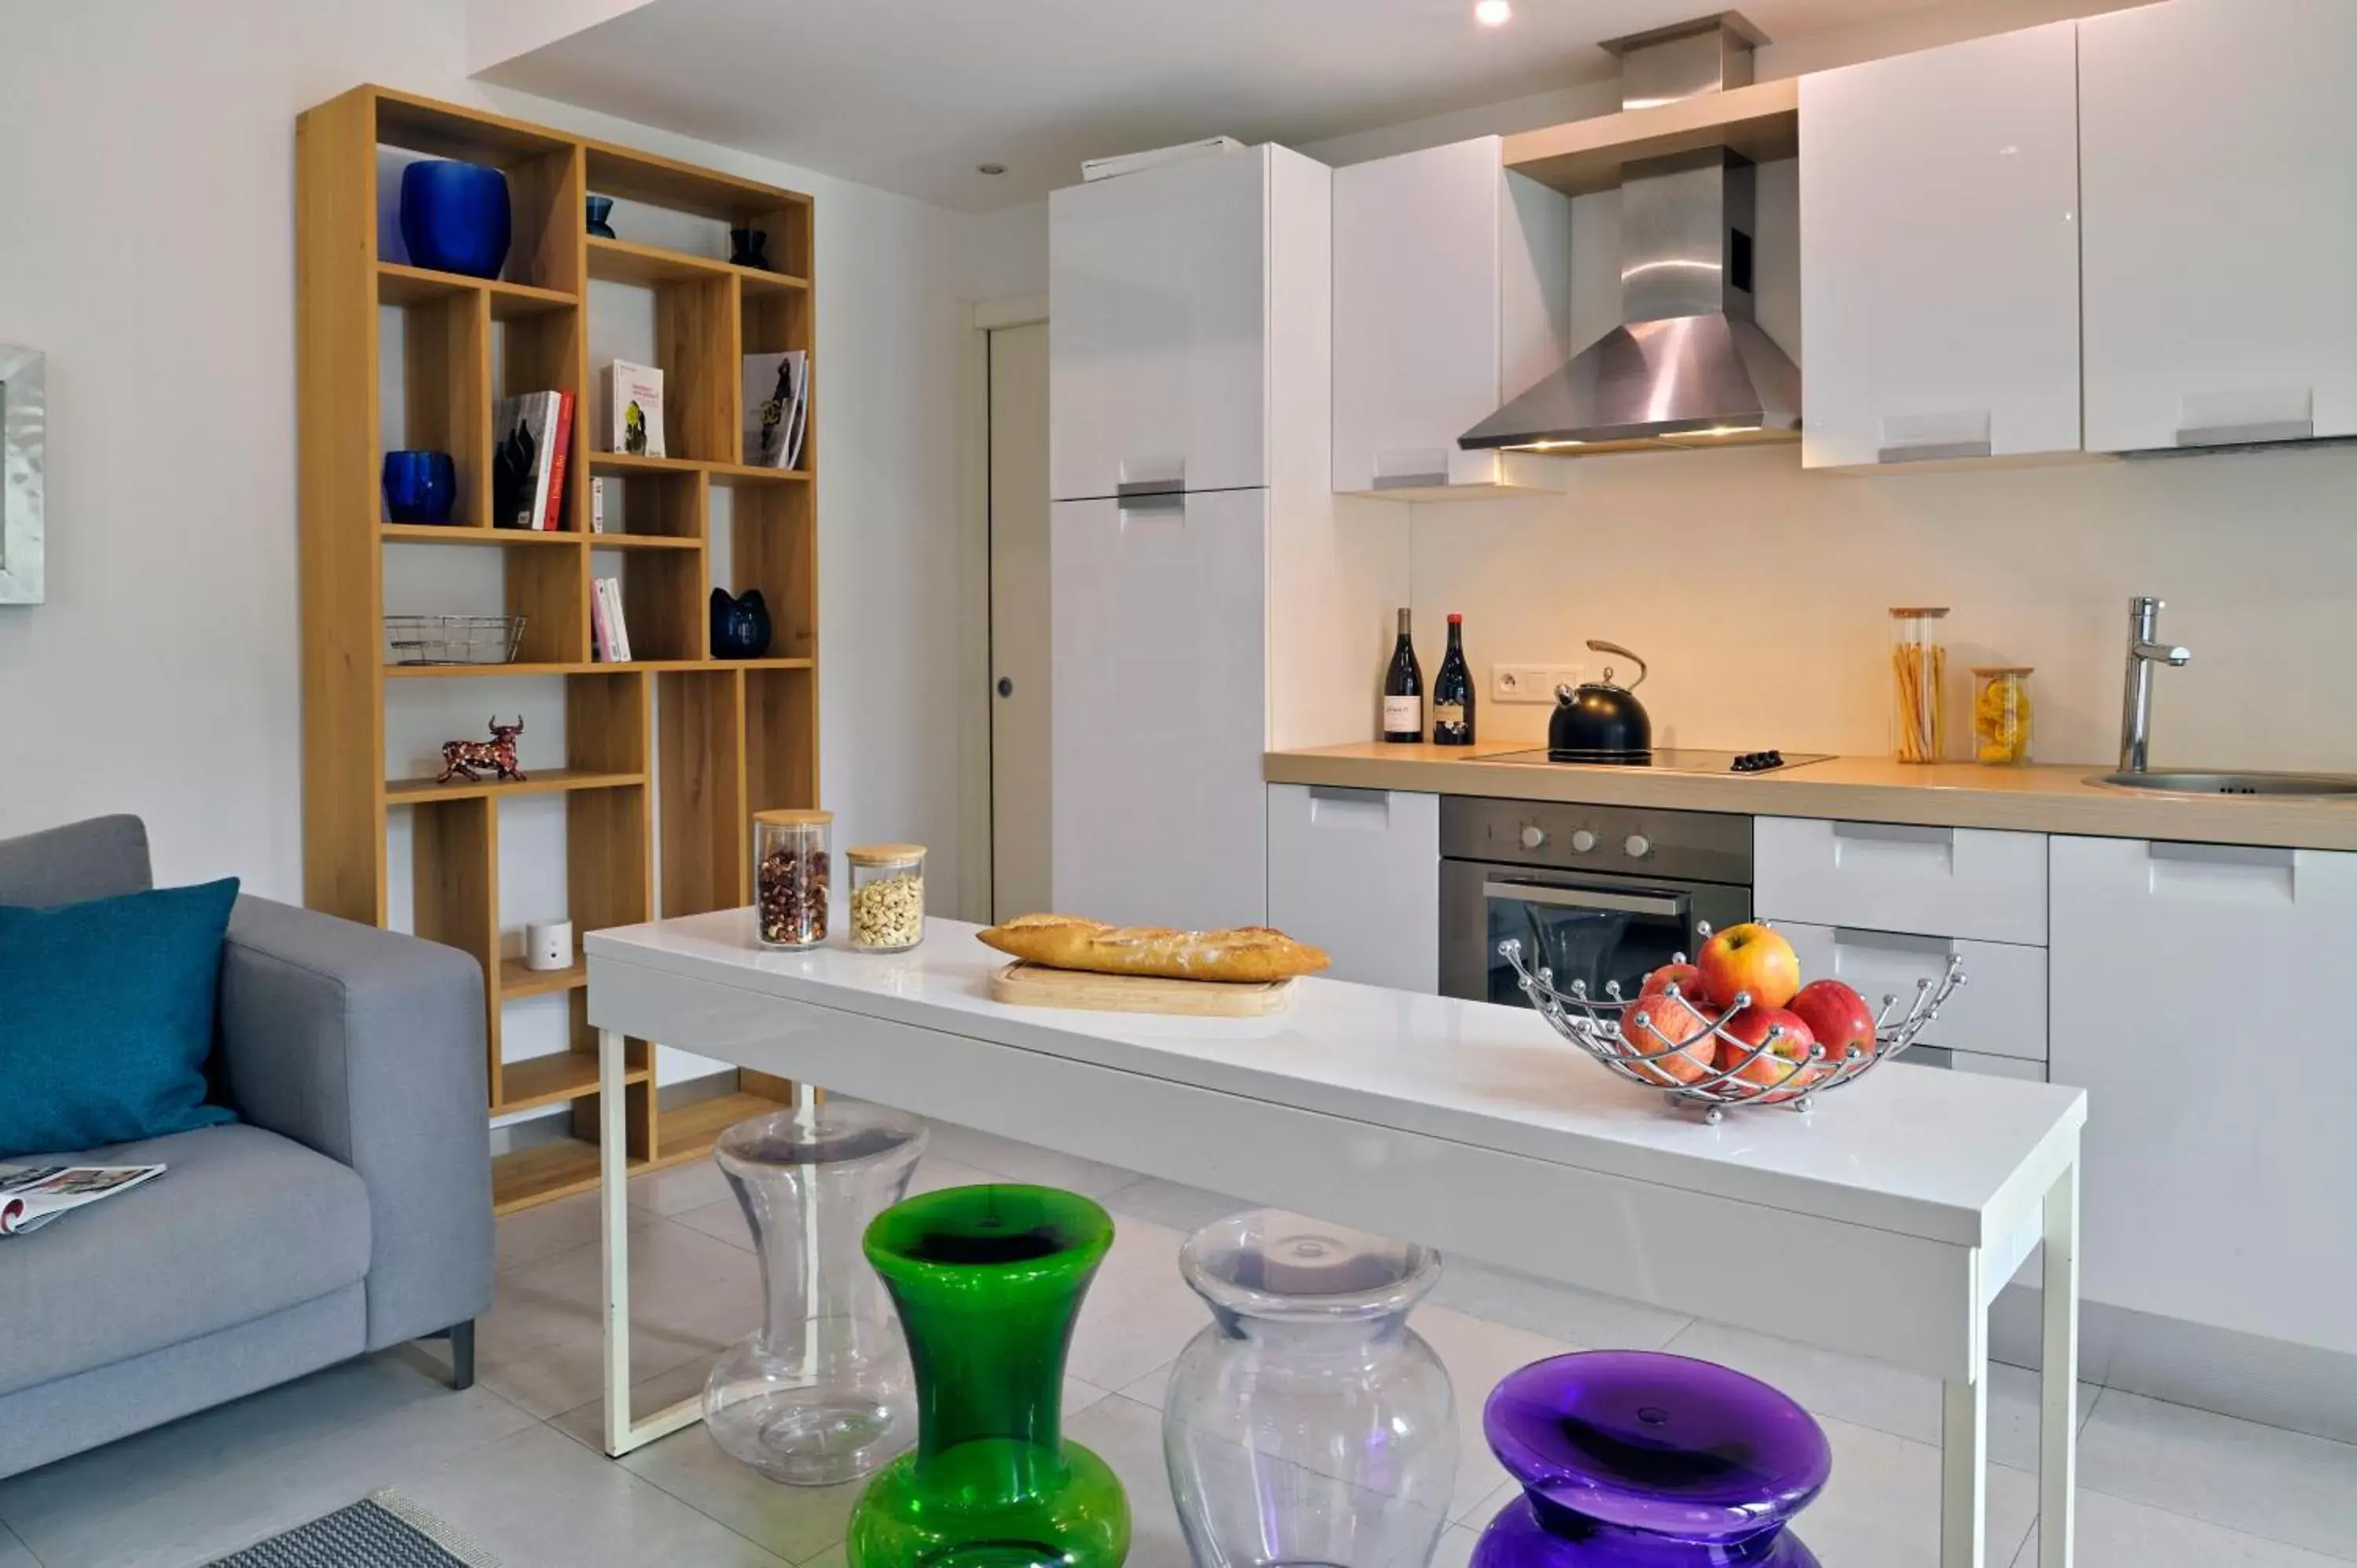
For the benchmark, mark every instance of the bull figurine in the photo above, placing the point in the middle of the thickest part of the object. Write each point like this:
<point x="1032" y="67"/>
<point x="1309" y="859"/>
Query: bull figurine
<point x="461" y="758"/>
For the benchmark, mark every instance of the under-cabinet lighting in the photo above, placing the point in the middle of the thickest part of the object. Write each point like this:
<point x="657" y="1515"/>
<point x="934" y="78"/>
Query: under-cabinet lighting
<point x="1493" y="13"/>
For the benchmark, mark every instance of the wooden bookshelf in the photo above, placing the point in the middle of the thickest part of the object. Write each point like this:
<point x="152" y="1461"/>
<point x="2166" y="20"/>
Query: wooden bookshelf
<point x="666" y="756"/>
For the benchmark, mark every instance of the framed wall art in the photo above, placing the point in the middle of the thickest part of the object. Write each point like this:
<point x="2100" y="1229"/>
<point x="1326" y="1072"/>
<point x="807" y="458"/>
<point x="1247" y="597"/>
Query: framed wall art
<point x="24" y="416"/>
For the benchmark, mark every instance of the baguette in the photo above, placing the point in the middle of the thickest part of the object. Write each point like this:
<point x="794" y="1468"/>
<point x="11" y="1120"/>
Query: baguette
<point x="1250" y="953"/>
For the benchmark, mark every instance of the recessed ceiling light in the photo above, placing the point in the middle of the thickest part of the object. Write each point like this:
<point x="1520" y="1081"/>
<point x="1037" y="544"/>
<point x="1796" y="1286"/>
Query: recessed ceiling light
<point x="1493" y="13"/>
<point x="1001" y="168"/>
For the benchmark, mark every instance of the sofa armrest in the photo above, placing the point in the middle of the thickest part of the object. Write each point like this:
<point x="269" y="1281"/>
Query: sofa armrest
<point x="367" y="1047"/>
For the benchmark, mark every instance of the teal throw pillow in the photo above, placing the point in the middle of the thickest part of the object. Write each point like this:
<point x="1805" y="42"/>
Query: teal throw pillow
<point x="106" y="1017"/>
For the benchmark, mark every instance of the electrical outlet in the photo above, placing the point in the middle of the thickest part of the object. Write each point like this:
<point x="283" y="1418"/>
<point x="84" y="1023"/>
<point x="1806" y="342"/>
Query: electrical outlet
<point x="1532" y="682"/>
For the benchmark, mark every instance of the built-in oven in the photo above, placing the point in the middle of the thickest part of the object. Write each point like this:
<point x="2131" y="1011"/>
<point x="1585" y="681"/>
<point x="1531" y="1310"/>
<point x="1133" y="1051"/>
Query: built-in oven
<point x="1597" y="893"/>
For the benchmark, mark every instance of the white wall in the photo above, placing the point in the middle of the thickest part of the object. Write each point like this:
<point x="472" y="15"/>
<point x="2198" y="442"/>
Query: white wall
<point x="147" y="246"/>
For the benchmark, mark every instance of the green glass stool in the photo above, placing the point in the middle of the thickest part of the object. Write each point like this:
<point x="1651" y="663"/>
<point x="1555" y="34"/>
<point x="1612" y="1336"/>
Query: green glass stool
<point x="988" y="1282"/>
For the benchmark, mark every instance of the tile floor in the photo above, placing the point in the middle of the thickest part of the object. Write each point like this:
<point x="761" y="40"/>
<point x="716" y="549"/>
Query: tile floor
<point x="514" y="1461"/>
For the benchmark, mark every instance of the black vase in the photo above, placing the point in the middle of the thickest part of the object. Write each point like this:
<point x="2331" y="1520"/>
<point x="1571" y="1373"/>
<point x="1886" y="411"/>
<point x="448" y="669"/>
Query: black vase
<point x="746" y="247"/>
<point x="740" y="626"/>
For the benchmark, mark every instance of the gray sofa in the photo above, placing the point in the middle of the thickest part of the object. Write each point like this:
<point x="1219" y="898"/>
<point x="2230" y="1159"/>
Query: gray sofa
<point x="346" y="1210"/>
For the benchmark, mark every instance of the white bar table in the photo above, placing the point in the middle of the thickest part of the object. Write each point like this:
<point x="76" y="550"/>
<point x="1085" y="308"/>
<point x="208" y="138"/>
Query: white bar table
<point x="1882" y="1224"/>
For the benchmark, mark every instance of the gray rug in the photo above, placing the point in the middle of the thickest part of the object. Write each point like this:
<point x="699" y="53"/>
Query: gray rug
<point x="386" y="1531"/>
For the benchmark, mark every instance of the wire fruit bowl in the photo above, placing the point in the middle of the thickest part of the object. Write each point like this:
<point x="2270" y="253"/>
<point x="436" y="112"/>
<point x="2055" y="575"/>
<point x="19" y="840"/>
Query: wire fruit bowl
<point x="1732" y="1077"/>
<point x="452" y="639"/>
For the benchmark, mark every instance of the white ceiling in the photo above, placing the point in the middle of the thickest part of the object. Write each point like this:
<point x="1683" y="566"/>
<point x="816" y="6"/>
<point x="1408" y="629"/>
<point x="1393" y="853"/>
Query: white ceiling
<point x="911" y="94"/>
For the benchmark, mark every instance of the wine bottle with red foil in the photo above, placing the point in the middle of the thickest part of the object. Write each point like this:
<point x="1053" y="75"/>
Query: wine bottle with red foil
<point x="1452" y="691"/>
<point x="1403" y="690"/>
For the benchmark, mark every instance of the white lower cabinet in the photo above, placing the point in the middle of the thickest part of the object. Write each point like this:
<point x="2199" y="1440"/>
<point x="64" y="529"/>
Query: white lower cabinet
<point x="1357" y="872"/>
<point x="1999" y="1013"/>
<point x="2199" y="997"/>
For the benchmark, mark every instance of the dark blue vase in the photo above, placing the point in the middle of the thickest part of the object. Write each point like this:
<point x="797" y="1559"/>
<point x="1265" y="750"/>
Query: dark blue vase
<point x="419" y="487"/>
<point x="599" y="208"/>
<point x="453" y="217"/>
<point x="740" y="626"/>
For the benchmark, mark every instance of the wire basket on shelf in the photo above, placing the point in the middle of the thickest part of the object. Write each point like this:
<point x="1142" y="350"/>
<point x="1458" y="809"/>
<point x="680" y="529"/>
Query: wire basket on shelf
<point x="1701" y="1070"/>
<point x="452" y="639"/>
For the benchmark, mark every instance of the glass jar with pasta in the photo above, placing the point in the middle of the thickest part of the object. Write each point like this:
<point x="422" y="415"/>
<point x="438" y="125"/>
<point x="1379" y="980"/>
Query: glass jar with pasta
<point x="1919" y="673"/>
<point x="2001" y="715"/>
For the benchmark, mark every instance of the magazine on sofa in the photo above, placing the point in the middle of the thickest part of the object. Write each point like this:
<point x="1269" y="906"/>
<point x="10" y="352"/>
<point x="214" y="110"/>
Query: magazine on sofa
<point x="32" y="1196"/>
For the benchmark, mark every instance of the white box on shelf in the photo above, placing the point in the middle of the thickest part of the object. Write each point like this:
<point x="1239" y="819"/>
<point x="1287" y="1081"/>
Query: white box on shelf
<point x="634" y="405"/>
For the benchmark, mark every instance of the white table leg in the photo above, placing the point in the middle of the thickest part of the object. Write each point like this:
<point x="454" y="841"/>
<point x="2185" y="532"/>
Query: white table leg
<point x="2058" y="1426"/>
<point x="1964" y="1470"/>
<point x="622" y="1434"/>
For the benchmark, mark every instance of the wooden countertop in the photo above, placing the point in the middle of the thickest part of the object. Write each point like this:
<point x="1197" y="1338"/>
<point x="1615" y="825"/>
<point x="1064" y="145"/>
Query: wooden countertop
<point x="2038" y="798"/>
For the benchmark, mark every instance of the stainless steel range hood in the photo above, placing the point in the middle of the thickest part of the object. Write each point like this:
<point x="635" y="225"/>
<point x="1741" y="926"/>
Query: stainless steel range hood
<point x="1687" y="366"/>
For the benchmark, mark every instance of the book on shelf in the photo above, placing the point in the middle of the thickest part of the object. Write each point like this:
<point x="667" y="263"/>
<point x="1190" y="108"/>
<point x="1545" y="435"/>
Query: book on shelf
<point x="776" y="406"/>
<point x="551" y="515"/>
<point x="607" y="623"/>
<point x="634" y="409"/>
<point x="32" y="1196"/>
<point x="596" y="505"/>
<point x="523" y="447"/>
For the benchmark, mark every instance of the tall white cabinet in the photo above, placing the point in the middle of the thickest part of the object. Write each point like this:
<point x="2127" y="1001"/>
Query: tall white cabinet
<point x="2197" y="996"/>
<point x="1452" y="294"/>
<point x="1940" y="253"/>
<point x="1190" y="348"/>
<point x="2217" y="141"/>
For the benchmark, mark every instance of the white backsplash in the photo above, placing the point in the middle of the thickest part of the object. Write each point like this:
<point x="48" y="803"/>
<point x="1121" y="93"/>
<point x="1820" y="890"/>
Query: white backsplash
<point x="1759" y="594"/>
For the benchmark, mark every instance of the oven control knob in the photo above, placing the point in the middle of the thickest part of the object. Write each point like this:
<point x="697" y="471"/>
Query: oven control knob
<point x="1583" y="841"/>
<point x="1534" y="836"/>
<point x="1638" y="846"/>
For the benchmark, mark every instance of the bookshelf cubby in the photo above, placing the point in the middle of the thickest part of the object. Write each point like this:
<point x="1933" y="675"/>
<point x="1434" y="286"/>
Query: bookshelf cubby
<point x="664" y="756"/>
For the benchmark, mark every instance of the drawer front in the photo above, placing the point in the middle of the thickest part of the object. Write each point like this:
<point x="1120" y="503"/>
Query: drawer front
<point x="1999" y="1011"/>
<point x="1964" y="884"/>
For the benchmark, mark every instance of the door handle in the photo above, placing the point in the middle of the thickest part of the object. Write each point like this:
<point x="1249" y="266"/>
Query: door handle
<point x="1006" y="687"/>
<point x="1673" y="907"/>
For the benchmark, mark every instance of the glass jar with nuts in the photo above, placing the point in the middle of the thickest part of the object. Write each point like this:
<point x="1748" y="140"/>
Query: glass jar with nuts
<point x="792" y="864"/>
<point x="887" y="895"/>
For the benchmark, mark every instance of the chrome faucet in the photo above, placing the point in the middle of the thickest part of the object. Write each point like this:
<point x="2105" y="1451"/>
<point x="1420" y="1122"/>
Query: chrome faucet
<point x="2136" y="710"/>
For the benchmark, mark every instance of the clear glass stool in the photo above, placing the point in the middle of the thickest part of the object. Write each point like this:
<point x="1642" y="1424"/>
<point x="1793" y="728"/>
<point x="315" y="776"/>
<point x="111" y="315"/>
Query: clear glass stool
<point x="823" y="1392"/>
<point x="1309" y="1425"/>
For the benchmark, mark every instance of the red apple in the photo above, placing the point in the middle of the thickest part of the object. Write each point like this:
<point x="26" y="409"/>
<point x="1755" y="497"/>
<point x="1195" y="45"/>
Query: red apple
<point x="1749" y="958"/>
<point x="1672" y="1023"/>
<point x="1838" y="1015"/>
<point x="1684" y="976"/>
<point x="1775" y="1067"/>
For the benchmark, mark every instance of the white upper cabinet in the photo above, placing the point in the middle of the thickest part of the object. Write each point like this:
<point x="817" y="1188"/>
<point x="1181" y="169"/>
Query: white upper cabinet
<point x="1452" y="293"/>
<point x="1940" y="253"/>
<point x="1156" y="338"/>
<point x="2218" y="138"/>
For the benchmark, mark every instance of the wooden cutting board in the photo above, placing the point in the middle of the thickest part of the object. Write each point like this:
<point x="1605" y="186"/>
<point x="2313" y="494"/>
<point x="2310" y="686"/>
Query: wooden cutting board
<point x="1036" y="986"/>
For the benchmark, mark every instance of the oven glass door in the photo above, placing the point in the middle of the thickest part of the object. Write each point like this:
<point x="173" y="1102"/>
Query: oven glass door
<point x="1599" y="930"/>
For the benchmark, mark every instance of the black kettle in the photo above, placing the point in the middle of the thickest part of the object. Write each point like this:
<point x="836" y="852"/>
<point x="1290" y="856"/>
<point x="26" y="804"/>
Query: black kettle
<point x="1601" y="722"/>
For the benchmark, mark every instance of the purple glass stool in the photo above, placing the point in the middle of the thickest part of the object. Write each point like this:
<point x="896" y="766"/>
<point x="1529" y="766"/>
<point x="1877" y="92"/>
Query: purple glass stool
<point x="1635" y="1459"/>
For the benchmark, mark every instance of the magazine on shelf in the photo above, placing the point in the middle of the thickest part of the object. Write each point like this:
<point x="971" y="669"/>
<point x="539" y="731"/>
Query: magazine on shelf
<point x="525" y="445"/>
<point x="607" y="622"/>
<point x="777" y="408"/>
<point x="634" y="408"/>
<point x="32" y="1196"/>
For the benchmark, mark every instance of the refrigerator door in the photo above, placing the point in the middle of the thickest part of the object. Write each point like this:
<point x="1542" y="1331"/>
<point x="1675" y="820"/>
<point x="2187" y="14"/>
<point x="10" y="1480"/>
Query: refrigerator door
<point x="1161" y="705"/>
<point x="1158" y="329"/>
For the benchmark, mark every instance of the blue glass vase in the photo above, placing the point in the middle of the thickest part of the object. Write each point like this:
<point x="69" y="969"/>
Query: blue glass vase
<point x="419" y="487"/>
<point x="599" y="208"/>
<point x="453" y="217"/>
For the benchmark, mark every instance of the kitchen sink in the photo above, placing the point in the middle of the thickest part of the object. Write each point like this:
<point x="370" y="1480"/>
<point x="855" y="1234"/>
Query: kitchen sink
<point x="2231" y="783"/>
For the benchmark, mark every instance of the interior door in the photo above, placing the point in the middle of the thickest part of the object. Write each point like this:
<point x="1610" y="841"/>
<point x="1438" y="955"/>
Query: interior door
<point x="1020" y="783"/>
<point x="1161" y="704"/>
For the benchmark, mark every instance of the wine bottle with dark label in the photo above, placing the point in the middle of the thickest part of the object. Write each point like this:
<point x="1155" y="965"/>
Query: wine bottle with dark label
<point x="1452" y="691"/>
<point x="1403" y="690"/>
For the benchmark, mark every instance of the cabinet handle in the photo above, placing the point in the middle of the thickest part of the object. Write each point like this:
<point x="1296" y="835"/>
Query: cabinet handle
<point x="1134" y="499"/>
<point x="2247" y="435"/>
<point x="1938" y="948"/>
<point x="1897" y="832"/>
<point x="1411" y="481"/>
<point x="1928" y="437"/>
<point x="1672" y="909"/>
<point x="2258" y="857"/>
<point x="1331" y="806"/>
<point x="2238" y="418"/>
